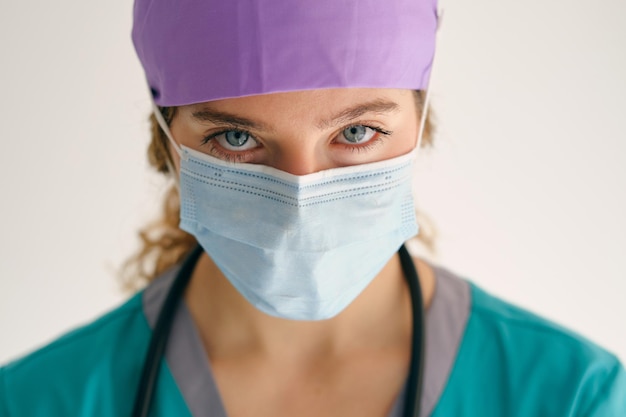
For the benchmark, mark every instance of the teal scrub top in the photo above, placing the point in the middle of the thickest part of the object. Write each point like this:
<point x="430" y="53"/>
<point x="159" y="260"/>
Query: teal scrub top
<point x="484" y="357"/>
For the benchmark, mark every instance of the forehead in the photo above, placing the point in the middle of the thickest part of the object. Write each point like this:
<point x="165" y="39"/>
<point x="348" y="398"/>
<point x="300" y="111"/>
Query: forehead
<point x="313" y="105"/>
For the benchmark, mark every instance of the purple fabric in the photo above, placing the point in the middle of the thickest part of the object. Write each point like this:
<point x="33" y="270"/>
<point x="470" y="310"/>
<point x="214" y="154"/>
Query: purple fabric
<point x="200" y="50"/>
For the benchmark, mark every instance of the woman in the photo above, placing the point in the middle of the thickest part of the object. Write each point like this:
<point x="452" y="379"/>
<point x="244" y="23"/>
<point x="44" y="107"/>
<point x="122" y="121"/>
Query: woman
<point x="293" y="164"/>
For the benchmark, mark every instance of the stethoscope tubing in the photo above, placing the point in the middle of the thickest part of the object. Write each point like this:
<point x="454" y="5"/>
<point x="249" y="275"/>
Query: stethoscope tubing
<point x="158" y="342"/>
<point x="416" y="367"/>
<point x="160" y="335"/>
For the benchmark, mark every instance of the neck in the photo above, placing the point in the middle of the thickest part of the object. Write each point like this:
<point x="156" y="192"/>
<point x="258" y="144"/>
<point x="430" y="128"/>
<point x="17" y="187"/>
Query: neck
<point x="380" y="318"/>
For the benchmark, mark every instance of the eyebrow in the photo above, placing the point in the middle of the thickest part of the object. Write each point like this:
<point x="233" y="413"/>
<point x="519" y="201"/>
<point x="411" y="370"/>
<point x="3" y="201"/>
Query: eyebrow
<point x="218" y="117"/>
<point x="378" y="106"/>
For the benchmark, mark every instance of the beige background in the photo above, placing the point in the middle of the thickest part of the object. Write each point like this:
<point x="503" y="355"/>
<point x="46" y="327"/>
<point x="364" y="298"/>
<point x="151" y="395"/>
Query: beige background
<point x="526" y="182"/>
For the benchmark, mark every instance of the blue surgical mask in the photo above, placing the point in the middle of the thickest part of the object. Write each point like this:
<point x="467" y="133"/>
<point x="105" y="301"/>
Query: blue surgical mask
<point x="297" y="247"/>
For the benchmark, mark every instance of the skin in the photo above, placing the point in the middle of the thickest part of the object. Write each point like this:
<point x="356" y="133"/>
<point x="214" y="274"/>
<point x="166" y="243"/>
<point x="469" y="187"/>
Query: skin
<point x="354" y="364"/>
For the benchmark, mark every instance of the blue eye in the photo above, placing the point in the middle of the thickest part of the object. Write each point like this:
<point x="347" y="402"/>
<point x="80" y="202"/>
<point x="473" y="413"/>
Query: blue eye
<point x="357" y="134"/>
<point x="236" y="140"/>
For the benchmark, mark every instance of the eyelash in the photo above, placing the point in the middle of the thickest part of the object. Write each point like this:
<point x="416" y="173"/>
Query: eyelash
<point x="381" y="135"/>
<point x="219" y="152"/>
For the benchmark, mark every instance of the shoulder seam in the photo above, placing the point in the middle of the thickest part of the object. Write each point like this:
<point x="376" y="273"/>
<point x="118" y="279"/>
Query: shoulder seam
<point x="82" y="331"/>
<point x="548" y="328"/>
<point x="538" y="325"/>
<point x="603" y="389"/>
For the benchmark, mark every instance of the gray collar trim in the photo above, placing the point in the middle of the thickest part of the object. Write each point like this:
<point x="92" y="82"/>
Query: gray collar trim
<point x="185" y="353"/>
<point x="446" y="320"/>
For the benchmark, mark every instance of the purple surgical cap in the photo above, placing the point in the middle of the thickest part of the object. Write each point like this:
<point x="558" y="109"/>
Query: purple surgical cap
<point x="201" y="50"/>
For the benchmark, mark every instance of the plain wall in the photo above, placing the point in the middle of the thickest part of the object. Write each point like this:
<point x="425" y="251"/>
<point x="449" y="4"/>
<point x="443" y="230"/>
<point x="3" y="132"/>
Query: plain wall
<point x="526" y="182"/>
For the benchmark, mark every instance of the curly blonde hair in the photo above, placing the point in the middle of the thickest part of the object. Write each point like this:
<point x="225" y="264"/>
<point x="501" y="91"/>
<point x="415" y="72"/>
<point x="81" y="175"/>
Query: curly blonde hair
<point x="162" y="242"/>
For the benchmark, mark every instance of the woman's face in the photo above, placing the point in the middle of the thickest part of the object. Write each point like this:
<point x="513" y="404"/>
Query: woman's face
<point x="302" y="132"/>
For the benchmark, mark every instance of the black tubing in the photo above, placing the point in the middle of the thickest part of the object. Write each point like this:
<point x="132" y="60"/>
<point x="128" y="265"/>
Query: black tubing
<point x="158" y="341"/>
<point x="416" y="368"/>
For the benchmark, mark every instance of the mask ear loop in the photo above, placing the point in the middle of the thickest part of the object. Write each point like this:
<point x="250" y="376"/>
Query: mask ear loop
<point x="428" y="89"/>
<point x="165" y="128"/>
<point x="423" y="118"/>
